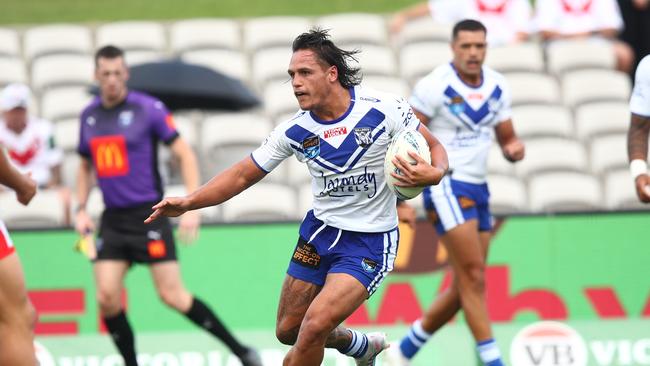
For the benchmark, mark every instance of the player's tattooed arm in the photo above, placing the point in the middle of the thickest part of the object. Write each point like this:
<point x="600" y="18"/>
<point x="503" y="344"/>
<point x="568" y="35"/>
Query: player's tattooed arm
<point x="637" y="137"/>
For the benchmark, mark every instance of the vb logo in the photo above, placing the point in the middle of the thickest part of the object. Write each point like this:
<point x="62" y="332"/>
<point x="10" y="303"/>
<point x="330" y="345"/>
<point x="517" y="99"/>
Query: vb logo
<point x="548" y="344"/>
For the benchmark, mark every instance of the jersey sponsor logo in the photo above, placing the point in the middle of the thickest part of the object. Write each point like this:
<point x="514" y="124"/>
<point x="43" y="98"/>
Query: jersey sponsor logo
<point x="370" y="99"/>
<point x="475" y="96"/>
<point x="493" y="105"/>
<point x="306" y="255"/>
<point x="363" y="136"/>
<point x="311" y="147"/>
<point x="338" y="131"/>
<point x="457" y="105"/>
<point x="110" y="156"/>
<point x="157" y="249"/>
<point x="348" y="186"/>
<point x="125" y="118"/>
<point x="368" y="265"/>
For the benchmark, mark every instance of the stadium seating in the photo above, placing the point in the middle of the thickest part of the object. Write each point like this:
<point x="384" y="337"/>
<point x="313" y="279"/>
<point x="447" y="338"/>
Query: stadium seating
<point x="45" y="210"/>
<point x="9" y="43"/>
<point x="583" y="86"/>
<point x="279" y="99"/>
<point x="228" y="138"/>
<point x="66" y="134"/>
<point x="601" y="118"/>
<point x="569" y="106"/>
<point x="58" y="38"/>
<point x="270" y="64"/>
<point x="507" y="194"/>
<point x="418" y="59"/>
<point x="565" y="191"/>
<point x="552" y="154"/>
<point x="541" y="120"/>
<point x="269" y="32"/>
<point x="132" y="35"/>
<point x="199" y="34"/>
<point x="12" y="70"/>
<point x="61" y="70"/>
<point x="377" y="60"/>
<point x="621" y="192"/>
<point x="262" y="202"/>
<point x="423" y="29"/>
<point x="568" y="55"/>
<point x="608" y="152"/>
<point x="62" y="103"/>
<point x="355" y="29"/>
<point x="526" y="57"/>
<point x="533" y="88"/>
<point x="70" y="168"/>
<point x="229" y="62"/>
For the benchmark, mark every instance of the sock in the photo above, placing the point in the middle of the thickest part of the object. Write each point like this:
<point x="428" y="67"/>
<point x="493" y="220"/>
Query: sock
<point x="414" y="340"/>
<point x="358" y="346"/>
<point x="202" y="316"/>
<point x="488" y="351"/>
<point x="122" y="335"/>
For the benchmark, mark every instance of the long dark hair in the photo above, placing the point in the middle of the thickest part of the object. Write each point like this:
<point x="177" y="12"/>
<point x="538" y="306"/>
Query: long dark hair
<point x="318" y="40"/>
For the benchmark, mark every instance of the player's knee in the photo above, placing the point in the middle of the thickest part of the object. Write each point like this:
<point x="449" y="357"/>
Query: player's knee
<point x="286" y="335"/>
<point x="474" y="276"/>
<point x="175" y="298"/>
<point x="316" y="329"/>
<point x="109" y="302"/>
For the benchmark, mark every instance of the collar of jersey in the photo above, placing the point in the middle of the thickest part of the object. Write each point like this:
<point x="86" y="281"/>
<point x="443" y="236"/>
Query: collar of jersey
<point x="123" y="102"/>
<point x="325" y="122"/>
<point x="463" y="81"/>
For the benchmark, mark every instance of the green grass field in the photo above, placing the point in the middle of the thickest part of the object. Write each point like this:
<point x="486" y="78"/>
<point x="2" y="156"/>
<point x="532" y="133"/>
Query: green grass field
<point x="88" y="11"/>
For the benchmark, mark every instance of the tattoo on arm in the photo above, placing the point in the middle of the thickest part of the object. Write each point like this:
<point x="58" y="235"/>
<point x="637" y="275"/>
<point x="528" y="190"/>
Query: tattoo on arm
<point x="637" y="137"/>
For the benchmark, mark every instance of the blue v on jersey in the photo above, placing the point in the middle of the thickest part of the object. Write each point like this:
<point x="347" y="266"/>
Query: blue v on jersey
<point x="463" y="117"/>
<point x="345" y="158"/>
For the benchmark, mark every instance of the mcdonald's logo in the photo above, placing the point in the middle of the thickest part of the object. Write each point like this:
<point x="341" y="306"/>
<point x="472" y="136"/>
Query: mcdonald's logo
<point x="110" y="156"/>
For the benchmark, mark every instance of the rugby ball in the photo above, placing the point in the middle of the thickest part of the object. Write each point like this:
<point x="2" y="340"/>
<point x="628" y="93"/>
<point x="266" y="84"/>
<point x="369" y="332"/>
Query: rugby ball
<point x="402" y="143"/>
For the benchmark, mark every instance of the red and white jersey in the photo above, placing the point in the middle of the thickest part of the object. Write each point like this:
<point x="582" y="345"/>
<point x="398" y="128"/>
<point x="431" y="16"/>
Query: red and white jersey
<point x="640" y="100"/>
<point x="577" y="16"/>
<point x="502" y="18"/>
<point x="33" y="150"/>
<point x="6" y="245"/>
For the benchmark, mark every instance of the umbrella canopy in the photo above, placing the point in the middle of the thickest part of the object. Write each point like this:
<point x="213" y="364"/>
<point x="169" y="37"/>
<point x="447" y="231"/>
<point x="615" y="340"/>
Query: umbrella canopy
<point x="187" y="86"/>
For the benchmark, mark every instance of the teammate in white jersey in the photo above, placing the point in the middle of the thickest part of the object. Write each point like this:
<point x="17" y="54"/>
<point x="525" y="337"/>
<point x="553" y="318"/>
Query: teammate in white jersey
<point x="348" y="242"/>
<point x="465" y="104"/>
<point x="637" y="137"/>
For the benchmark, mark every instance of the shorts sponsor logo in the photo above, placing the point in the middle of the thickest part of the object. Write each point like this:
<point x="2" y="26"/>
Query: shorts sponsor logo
<point x="157" y="249"/>
<point x="338" y="131"/>
<point x="363" y="136"/>
<point x="311" y="147"/>
<point x="466" y="202"/>
<point x="306" y="255"/>
<point x="110" y="156"/>
<point x="548" y="344"/>
<point x="368" y="265"/>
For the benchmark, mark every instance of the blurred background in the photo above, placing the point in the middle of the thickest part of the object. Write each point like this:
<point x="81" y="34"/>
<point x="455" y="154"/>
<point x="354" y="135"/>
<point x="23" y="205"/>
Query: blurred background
<point x="570" y="241"/>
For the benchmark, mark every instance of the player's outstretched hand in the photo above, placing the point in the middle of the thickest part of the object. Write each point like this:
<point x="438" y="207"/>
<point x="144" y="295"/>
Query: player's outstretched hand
<point x="27" y="189"/>
<point x="188" y="227"/>
<point x="170" y="206"/>
<point x="415" y="175"/>
<point x="642" y="183"/>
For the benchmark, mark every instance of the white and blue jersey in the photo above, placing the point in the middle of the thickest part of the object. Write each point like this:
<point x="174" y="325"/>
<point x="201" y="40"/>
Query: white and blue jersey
<point x="353" y="225"/>
<point x="640" y="100"/>
<point x="463" y="118"/>
<point x="345" y="158"/>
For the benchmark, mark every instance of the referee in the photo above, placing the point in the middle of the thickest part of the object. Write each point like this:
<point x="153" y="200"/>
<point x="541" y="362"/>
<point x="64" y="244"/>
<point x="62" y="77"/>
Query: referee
<point x="120" y="131"/>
